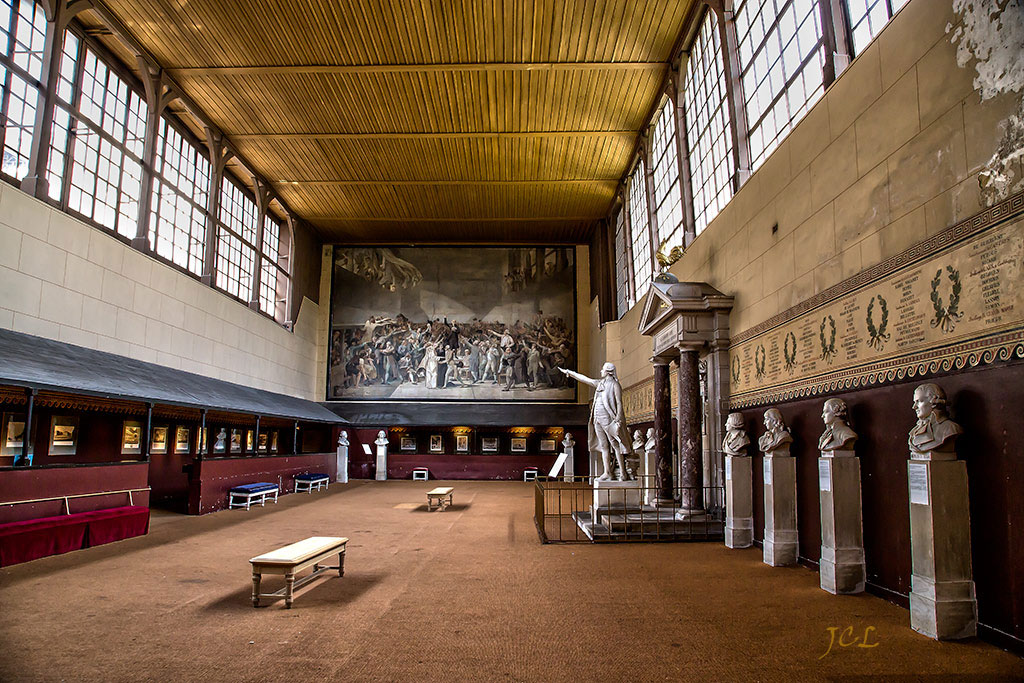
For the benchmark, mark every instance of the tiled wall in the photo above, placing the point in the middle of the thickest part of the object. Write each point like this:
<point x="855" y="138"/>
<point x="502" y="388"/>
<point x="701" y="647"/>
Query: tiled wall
<point x="63" y="279"/>
<point x="890" y="155"/>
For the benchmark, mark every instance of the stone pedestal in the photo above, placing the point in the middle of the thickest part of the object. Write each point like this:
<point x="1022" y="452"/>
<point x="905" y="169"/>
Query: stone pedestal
<point x="780" y="535"/>
<point x="650" y="470"/>
<point x="342" y="475"/>
<point x="842" y="530"/>
<point x="570" y="466"/>
<point x="617" y="494"/>
<point x="942" y="600"/>
<point x="739" y="502"/>
<point x="382" y="463"/>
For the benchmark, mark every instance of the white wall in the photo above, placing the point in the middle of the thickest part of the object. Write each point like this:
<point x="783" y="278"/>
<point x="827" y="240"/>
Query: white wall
<point x="63" y="279"/>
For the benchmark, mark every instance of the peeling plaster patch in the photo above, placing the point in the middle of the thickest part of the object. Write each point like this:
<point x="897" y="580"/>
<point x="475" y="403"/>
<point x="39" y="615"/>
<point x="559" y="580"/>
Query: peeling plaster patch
<point x="991" y="33"/>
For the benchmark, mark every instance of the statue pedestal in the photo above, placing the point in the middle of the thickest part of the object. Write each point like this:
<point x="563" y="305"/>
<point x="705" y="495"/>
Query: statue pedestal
<point x="780" y="535"/>
<point x="617" y="494"/>
<point x="382" y="463"/>
<point x="570" y="467"/>
<point x="942" y="600"/>
<point x="649" y="479"/>
<point x="842" y="530"/>
<point x="739" y="502"/>
<point x="342" y="476"/>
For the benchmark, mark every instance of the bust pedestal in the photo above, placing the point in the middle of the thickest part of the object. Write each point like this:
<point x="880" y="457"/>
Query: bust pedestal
<point x="382" y="463"/>
<point x="570" y="467"/>
<point x="739" y="502"/>
<point x="616" y="495"/>
<point x="780" y="535"/>
<point x="842" y="530"/>
<point x="342" y="476"/>
<point x="942" y="600"/>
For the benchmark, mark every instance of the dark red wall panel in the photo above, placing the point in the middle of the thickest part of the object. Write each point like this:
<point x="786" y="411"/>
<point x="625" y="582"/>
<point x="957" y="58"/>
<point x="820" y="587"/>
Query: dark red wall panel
<point x="218" y="475"/>
<point x="48" y="482"/>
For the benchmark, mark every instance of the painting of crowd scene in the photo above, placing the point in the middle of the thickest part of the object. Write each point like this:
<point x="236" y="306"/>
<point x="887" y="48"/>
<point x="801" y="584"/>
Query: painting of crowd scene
<point x="442" y="323"/>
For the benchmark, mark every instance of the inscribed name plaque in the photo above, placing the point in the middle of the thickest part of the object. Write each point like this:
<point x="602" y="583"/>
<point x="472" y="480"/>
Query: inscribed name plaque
<point x="728" y="469"/>
<point x="949" y="301"/>
<point x="917" y="475"/>
<point x="824" y="474"/>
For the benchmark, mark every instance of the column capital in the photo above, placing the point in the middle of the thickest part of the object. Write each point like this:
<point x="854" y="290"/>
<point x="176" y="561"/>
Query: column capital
<point x="660" y="360"/>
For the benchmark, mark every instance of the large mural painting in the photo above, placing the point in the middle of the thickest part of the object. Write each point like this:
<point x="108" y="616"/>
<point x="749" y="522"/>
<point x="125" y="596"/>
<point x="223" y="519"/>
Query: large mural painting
<point x="443" y="323"/>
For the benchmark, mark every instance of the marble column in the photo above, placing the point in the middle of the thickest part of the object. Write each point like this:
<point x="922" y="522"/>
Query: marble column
<point x="942" y="598"/>
<point x="780" y="531"/>
<point x="691" y="467"/>
<point x="662" y="432"/>
<point x="842" y="567"/>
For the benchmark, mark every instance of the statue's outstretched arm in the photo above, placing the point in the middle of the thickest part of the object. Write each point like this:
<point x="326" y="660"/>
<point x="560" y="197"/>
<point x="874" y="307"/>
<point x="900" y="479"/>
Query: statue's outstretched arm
<point x="579" y="378"/>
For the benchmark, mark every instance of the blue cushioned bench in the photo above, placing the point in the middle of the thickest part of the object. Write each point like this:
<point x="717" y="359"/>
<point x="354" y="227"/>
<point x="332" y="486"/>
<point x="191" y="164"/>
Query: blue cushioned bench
<point x="312" y="481"/>
<point x="247" y="494"/>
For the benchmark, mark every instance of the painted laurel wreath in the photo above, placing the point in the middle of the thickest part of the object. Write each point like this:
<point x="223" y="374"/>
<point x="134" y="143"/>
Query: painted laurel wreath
<point x="759" y="360"/>
<point x="877" y="335"/>
<point x="736" y="370"/>
<point x="789" y="352"/>
<point x="946" y="317"/>
<point x="828" y="349"/>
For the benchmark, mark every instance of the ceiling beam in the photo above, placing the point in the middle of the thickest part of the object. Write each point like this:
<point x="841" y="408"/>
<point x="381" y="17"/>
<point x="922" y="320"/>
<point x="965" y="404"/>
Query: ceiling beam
<point x="492" y="219"/>
<point x="348" y="183"/>
<point x="289" y="137"/>
<point x="342" y="70"/>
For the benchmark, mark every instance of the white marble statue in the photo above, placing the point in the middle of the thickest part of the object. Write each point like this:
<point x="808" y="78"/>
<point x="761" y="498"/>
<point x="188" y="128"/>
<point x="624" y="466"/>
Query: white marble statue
<point x="343" y="438"/>
<point x="649" y="445"/>
<point x="606" y="431"/>
<point x="934" y="430"/>
<point x="568" y="441"/>
<point x="776" y="435"/>
<point x="638" y="441"/>
<point x="382" y="438"/>
<point x="736" y="439"/>
<point x="837" y="435"/>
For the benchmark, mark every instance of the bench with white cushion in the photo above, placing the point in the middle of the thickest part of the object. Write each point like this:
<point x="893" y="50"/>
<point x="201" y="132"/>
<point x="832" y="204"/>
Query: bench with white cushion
<point x="310" y="482"/>
<point x="292" y="559"/>
<point x="247" y="494"/>
<point x="440" y="498"/>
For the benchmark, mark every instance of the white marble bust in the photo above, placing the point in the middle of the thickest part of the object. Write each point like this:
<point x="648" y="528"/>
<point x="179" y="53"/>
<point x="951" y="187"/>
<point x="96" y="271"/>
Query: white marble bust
<point x="343" y="438"/>
<point x="650" y="446"/>
<point x="638" y="442"/>
<point x="568" y="441"/>
<point x="736" y="439"/>
<point x="934" y="431"/>
<point x="382" y="438"/>
<point x="837" y="435"/>
<point x="776" y="435"/>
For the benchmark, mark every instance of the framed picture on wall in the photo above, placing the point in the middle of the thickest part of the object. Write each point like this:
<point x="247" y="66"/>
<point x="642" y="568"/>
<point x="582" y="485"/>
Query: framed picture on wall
<point x="462" y="443"/>
<point x="547" y="445"/>
<point x="489" y="444"/>
<point x="13" y="433"/>
<point x="181" y="435"/>
<point x="220" y="442"/>
<point x="236" y="440"/>
<point x="408" y="443"/>
<point x="273" y="442"/>
<point x="435" y="443"/>
<point x="261" y="443"/>
<point x="63" y="435"/>
<point x="159" y="441"/>
<point x="249" y="436"/>
<point x="131" y="438"/>
<point x="518" y="444"/>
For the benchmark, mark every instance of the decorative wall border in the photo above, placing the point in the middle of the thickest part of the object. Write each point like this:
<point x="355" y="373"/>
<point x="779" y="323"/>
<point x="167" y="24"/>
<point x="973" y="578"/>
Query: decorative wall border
<point x="981" y="351"/>
<point x="1004" y="210"/>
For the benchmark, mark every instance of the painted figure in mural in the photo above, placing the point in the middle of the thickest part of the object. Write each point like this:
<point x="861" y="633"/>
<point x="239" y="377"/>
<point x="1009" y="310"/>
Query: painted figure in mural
<point x="343" y="438"/>
<point x="777" y="434"/>
<point x="382" y="438"/>
<point x="934" y="430"/>
<point x="837" y="435"/>
<point x="606" y="431"/>
<point x="736" y="439"/>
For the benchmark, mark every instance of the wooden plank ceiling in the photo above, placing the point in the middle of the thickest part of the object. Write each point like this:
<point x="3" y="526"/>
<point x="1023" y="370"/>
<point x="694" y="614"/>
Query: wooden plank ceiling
<point x="424" y="121"/>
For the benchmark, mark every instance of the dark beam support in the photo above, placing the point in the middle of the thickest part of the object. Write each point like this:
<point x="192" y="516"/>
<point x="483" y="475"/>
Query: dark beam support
<point x="263" y="198"/>
<point x="158" y="96"/>
<point x="295" y="438"/>
<point x="734" y="96"/>
<point x="202" y="441"/>
<point x="146" y="435"/>
<point x="256" y="437"/>
<point x="26" y="435"/>
<point x="219" y="157"/>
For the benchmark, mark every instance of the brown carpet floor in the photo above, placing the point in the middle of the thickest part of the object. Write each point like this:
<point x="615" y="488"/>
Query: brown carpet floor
<point x="468" y="594"/>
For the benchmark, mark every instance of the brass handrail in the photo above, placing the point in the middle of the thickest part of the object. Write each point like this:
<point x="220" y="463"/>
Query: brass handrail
<point x="67" y="507"/>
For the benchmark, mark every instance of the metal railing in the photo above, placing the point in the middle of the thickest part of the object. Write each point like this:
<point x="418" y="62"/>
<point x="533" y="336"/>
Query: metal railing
<point x="572" y="510"/>
<point x="66" y="506"/>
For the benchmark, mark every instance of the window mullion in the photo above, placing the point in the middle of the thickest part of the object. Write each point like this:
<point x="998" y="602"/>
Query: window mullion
<point x="76" y="102"/>
<point x="219" y="157"/>
<point x="738" y="126"/>
<point x="35" y="182"/>
<point x="262" y="203"/>
<point x="683" y="157"/>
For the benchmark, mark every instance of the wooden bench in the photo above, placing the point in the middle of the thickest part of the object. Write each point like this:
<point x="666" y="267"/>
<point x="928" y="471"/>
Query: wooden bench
<point x="441" y="497"/>
<point x="247" y="494"/>
<point x="292" y="559"/>
<point x="311" y="482"/>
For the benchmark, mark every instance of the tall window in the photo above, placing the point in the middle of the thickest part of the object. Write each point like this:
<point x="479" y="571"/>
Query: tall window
<point x="781" y="62"/>
<point x="180" y="196"/>
<point x="236" y="233"/>
<point x="109" y="131"/>
<point x="23" y="35"/>
<point x="707" y="125"/>
<point x="668" y="200"/>
<point x="868" y="17"/>
<point x="273" y="277"/>
<point x="639" y="228"/>
<point x="623" y="294"/>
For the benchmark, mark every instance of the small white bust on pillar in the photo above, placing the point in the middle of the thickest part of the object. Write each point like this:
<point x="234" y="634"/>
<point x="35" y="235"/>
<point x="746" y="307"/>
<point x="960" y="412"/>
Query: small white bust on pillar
<point x="841" y="569"/>
<point x="780" y="533"/>
<point x="342" y="476"/>
<point x="569" y="448"/>
<point x="382" y="455"/>
<point x="650" y="459"/>
<point x="942" y="599"/>
<point x="739" y="486"/>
